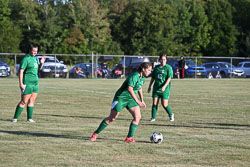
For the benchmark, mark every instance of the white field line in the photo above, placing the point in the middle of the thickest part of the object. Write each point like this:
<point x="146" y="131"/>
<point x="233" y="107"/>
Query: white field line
<point x="173" y="100"/>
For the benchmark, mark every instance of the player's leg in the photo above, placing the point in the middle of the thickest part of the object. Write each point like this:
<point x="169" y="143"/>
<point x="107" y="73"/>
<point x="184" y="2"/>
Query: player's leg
<point x="154" y="108"/>
<point x="112" y="116"/>
<point x="116" y="107"/>
<point x="136" y="113"/>
<point x="167" y="108"/>
<point x="24" y="100"/>
<point x="30" y="107"/>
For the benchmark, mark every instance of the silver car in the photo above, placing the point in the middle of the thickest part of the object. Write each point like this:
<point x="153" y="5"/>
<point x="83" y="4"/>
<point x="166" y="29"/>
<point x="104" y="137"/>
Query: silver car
<point x="242" y="69"/>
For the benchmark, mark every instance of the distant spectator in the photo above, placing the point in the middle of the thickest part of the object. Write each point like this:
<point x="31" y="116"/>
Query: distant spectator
<point x="104" y="70"/>
<point x="182" y="65"/>
<point x="80" y="73"/>
<point x="177" y="73"/>
<point x="210" y="76"/>
<point x="218" y="75"/>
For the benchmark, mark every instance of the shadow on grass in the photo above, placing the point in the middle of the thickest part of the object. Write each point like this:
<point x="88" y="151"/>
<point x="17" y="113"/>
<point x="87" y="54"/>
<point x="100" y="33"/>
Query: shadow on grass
<point x="85" y="117"/>
<point x="213" y="126"/>
<point x="37" y="134"/>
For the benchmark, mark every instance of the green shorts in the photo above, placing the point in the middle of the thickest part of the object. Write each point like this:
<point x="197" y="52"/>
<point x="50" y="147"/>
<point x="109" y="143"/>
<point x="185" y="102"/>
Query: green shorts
<point x="159" y="94"/>
<point x="30" y="88"/>
<point x="118" y="105"/>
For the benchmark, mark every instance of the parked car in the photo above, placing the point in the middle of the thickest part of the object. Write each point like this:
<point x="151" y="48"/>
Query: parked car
<point x="52" y="67"/>
<point x="87" y="69"/>
<point x="242" y="69"/>
<point x="131" y="64"/>
<point x="191" y="71"/>
<point x="225" y="68"/>
<point x="4" y="69"/>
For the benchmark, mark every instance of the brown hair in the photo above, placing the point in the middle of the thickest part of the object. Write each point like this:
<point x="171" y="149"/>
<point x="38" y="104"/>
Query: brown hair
<point x="144" y="65"/>
<point x="163" y="56"/>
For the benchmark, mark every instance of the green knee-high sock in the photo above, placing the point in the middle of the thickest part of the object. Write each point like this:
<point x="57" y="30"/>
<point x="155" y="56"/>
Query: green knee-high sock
<point x="132" y="129"/>
<point x="18" y="112"/>
<point x="154" y="111"/>
<point x="30" y="112"/>
<point x="102" y="126"/>
<point x="169" y="111"/>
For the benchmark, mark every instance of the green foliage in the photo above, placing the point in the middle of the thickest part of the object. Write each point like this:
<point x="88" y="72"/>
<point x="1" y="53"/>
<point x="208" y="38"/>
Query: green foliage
<point x="134" y="27"/>
<point x="223" y="35"/>
<point x="10" y="35"/>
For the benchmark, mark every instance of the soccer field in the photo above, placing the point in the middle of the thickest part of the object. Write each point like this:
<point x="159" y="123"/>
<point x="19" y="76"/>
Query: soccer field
<point x="211" y="127"/>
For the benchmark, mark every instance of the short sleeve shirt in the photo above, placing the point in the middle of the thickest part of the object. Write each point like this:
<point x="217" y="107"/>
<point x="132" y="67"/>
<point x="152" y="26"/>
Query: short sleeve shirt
<point x="160" y="75"/>
<point x="134" y="80"/>
<point x="30" y="66"/>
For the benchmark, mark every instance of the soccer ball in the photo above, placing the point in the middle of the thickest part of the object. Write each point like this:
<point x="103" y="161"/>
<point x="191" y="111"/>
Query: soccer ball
<point x="156" y="137"/>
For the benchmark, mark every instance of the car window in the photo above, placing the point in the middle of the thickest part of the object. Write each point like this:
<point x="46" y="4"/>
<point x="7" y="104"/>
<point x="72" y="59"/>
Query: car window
<point x="1" y="61"/>
<point x="208" y="65"/>
<point x="226" y="65"/>
<point x="139" y="60"/>
<point x="247" y="65"/>
<point x="50" y="60"/>
<point x="239" y="65"/>
<point x="190" y="63"/>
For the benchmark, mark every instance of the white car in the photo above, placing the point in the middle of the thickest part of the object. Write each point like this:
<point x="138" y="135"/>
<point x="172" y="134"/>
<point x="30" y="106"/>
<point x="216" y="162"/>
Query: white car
<point x="53" y="68"/>
<point x="242" y="69"/>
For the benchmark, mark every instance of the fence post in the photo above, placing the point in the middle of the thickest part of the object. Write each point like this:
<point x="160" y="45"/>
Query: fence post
<point x="231" y="67"/>
<point x="15" y="66"/>
<point x="96" y="65"/>
<point x="196" y="66"/>
<point x="124" y="67"/>
<point x="92" y="65"/>
<point x="55" y="66"/>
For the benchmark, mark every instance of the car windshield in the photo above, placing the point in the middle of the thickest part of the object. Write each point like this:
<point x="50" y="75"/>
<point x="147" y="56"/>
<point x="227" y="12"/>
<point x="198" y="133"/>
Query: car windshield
<point x="51" y="60"/>
<point x="139" y="60"/>
<point x="239" y="65"/>
<point x="190" y="63"/>
<point x="226" y="65"/>
<point x="1" y="61"/>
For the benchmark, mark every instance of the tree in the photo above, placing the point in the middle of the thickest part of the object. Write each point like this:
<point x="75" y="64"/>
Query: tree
<point x="223" y="35"/>
<point x="10" y="35"/>
<point x="241" y="17"/>
<point x="146" y="28"/>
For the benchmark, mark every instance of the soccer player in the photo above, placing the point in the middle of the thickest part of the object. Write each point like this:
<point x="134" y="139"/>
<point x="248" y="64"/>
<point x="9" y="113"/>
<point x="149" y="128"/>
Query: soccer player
<point x="161" y="76"/>
<point x="126" y="97"/>
<point x="28" y="82"/>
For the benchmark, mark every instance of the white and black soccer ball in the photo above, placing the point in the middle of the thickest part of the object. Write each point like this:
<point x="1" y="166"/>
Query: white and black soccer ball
<point x="156" y="137"/>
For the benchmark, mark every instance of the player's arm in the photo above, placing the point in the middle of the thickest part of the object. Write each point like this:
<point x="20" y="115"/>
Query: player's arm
<point x="166" y="84"/>
<point x="131" y="92"/>
<point x="21" y="85"/>
<point x="141" y="97"/>
<point x="150" y="84"/>
<point x="42" y="62"/>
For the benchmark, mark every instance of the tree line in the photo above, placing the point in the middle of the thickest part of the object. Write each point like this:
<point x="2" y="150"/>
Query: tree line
<point x="129" y="27"/>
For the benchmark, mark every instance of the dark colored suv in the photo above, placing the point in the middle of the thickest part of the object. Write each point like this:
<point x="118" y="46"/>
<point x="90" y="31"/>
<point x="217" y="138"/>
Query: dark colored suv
<point x="131" y="64"/>
<point x="192" y="70"/>
<point x="4" y="69"/>
<point x="225" y="68"/>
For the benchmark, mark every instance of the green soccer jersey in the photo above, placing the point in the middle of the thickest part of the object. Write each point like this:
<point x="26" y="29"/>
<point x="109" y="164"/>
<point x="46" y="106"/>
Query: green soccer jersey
<point x="160" y="75"/>
<point x="30" y="66"/>
<point x="134" y="81"/>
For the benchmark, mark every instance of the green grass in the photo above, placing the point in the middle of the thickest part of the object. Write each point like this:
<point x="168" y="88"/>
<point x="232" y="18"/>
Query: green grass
<point x="212" y="126"/>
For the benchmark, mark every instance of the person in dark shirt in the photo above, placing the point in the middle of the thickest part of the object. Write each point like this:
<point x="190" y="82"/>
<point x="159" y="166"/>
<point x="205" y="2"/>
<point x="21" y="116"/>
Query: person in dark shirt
<point x="182" y="65"/>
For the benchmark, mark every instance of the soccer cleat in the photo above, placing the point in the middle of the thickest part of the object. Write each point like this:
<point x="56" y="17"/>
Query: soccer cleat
<point x="94" y="136"/>
<point x="14" y="120"/>
<point x="129" y="139"/>
<point x="152" y="120"/>
<point x="172" y="118"/>
<point x="30" y="120"/>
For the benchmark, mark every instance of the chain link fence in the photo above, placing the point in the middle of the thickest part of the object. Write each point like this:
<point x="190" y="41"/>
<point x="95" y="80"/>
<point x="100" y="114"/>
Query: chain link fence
<point x="119" y="66"/>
